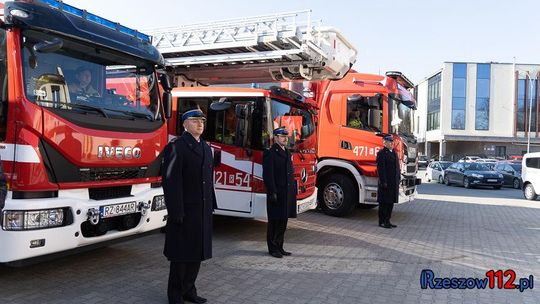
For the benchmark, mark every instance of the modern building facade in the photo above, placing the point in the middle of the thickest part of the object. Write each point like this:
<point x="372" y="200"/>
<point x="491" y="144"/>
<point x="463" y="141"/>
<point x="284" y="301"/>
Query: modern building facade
<point x="479" y="109"/>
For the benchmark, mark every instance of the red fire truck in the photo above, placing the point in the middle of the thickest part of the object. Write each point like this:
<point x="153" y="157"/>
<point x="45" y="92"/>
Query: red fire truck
<point x="354" y="113"/>
<point x="82" y="126"/>
<point x="240" y="120"/>
<point x="239" y="127"/>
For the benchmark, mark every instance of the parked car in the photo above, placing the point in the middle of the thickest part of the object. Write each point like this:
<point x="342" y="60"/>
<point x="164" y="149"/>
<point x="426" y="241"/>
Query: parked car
<point x="472" y="175"/>
<point x="467" y="159"/>
<point x="423" y="161"/>
<point x="531" y="175"/>
<point x="511" y="171"/>
<point x="435" y="171"/>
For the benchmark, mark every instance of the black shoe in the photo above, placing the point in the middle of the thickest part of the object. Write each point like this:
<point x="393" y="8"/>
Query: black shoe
<point x="392" y="225"/>
<point x="276" y="254"/>
<point x="283" y="252"/>
<point x="194" y="299"/>
<point x="385" y="225"/>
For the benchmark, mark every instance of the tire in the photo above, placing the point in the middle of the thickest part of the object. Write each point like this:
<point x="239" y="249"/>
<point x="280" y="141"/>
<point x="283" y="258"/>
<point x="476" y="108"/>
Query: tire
<point x="516" y="184"/>
<point x="440" y="179"/>
<point x="338" y="195"/>
<point x="466" y="183"/>
<point x="446" y="181"/>
<point x="529" y="192"/>
<point x="366" y="206"/>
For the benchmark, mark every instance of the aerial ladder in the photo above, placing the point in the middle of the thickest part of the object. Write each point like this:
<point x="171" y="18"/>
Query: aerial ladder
<point x="278" y="47"/>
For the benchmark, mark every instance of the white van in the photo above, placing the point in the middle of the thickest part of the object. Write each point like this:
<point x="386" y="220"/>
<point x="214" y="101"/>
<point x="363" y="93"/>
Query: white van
<point x="531" y="175"/>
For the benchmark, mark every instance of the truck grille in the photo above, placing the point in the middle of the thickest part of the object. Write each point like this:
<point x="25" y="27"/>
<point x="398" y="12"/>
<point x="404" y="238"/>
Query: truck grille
<point x="109" y="192"/>
<point x="104" y="174"/>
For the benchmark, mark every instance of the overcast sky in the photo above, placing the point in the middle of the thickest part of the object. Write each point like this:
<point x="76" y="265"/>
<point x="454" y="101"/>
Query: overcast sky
<point x="414" y="37"/>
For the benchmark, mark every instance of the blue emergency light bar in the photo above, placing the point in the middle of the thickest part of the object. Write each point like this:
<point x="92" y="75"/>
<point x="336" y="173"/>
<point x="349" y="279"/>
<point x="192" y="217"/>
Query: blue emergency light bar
<point x="63" y="7"/>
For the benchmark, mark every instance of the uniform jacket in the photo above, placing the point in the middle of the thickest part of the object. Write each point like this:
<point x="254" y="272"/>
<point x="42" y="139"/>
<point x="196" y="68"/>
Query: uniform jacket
<point x="389" y="176"/>
<point x="278" y="176"/>
<point x="187" y="178"/>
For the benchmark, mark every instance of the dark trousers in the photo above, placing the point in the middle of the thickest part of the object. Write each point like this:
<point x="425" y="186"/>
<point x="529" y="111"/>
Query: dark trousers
<point x="385" y="212"/>
<point x="275" y="235"/>
<point x="182" y="276"/>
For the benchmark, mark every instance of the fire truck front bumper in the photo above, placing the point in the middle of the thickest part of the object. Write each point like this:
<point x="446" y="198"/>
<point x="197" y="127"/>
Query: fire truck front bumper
<point x="43" y="226"/>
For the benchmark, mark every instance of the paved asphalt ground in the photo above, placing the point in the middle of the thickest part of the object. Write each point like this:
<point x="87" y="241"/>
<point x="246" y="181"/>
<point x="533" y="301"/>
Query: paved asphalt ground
<point x="453" y="231"/>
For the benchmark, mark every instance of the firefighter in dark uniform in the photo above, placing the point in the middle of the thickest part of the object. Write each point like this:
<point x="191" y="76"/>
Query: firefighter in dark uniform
<point x="278" y="175"/>
<point x="187" y="174"/>
<point x="389" y="178"/>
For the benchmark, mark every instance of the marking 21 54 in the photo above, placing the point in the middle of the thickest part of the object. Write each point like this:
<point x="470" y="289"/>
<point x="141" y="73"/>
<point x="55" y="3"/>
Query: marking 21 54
<point x="238" y="179"/>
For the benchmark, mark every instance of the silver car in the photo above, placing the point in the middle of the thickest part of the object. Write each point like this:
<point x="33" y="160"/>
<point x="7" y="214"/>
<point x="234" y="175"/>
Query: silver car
<point x="435" y="171"/>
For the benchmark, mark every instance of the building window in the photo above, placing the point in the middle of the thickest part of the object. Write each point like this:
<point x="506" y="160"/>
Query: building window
<point x="500" y="151"/>
<point x="434" y="102"/>
<point x="521" y="105"/>
<point x="526" y="104"/>
<point x="483" y="73"/>
<point x="459" y="95"/>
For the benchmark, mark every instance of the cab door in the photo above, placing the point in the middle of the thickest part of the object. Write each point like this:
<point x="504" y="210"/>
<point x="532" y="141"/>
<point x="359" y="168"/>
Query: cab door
<point x="233" y="162"/>
<point x="361" y="119"/>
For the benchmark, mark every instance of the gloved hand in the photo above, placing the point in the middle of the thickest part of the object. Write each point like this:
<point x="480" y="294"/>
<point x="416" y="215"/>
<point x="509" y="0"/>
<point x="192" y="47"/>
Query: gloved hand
<point x="272" y="198"/>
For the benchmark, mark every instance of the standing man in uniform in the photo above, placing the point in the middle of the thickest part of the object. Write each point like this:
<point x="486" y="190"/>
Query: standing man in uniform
<point x="187" y="176"/>
<point x="389" y="178"/>
<point x="278" y="175"/>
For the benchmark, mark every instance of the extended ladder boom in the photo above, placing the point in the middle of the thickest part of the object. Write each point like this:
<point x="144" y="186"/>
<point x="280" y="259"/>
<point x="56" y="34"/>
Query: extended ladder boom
<point x="278" y="47"/>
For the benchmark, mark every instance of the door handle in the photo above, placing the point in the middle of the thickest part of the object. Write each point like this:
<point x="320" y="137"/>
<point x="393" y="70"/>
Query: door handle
<point x="217" y="158"/>
<point x="346" y="145"/>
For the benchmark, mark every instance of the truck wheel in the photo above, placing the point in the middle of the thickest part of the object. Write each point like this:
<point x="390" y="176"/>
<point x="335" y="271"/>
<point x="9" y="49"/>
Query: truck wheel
<point x="516" y="183"/>
<point x="366" y="206"/>
<point x="338" y="196"/>
<point x="529" y="193"/>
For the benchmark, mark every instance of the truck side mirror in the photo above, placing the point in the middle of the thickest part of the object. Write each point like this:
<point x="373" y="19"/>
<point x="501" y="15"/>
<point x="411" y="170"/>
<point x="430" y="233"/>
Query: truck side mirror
<point x="374" y="118"/>
<point x="167" y="104"/>
<point x="165" y="82"/>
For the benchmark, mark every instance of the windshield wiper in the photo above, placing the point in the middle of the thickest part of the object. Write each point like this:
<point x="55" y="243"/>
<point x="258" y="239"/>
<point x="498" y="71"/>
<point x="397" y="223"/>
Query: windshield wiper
<point x="134" y="114"/>
<point x="77" y="105"/>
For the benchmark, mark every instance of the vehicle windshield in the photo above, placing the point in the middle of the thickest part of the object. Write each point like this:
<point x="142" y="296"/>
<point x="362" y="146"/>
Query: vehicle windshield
<point x="477" y="167"/>
<point x="87" y="79"/>
<point x="516" y="167"/>
<point x="297" y="120"/>
<point x="422" y="157"/>
<point x="445" y="165"/>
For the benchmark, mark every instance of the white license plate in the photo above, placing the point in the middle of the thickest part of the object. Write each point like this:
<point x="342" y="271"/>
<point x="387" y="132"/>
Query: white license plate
<point x="305" y="206"/>
<point x="117" y="209"/>
<point x="492" y="180"/>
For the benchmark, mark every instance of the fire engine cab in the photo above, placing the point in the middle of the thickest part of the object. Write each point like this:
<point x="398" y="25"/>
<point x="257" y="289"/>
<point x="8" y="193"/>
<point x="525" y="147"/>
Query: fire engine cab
<point x="82" y="128"/>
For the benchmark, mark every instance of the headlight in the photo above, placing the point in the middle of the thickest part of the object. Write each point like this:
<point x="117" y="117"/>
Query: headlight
<point x="33" y="219"/>
<point x="476" y="175"/>
<point x="158" y="203"/>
